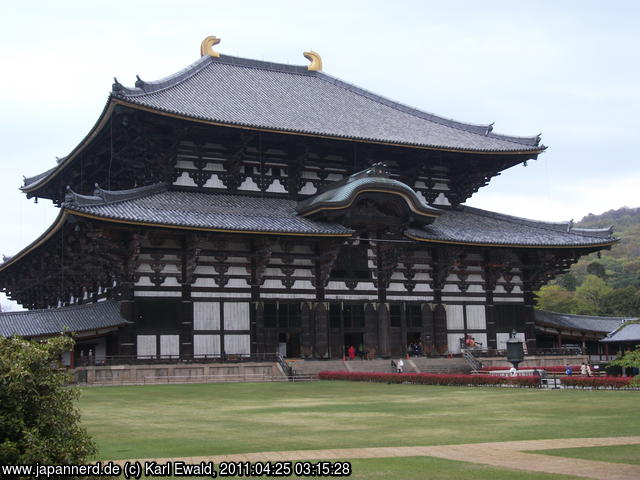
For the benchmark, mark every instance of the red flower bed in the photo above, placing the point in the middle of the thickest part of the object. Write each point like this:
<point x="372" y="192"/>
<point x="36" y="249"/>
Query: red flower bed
<point x="550" y="369"/>
<point x="431" y="378"/>
<point x="596" y="382"/>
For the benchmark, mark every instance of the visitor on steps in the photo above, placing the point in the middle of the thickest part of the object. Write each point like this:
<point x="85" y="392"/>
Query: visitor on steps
<point x="400" y="366"/>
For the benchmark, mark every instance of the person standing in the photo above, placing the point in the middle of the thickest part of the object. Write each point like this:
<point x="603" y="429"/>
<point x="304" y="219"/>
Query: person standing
<point x="351" y="352"/>
<point x="400" y="366"/>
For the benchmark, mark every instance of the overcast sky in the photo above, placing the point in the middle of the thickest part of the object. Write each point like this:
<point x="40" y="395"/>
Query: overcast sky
<point x="570" y="70"/>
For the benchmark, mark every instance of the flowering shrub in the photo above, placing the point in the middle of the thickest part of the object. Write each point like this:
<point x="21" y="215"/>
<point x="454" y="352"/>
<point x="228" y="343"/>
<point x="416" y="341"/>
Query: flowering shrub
<point x="597" y="382"/>
<point x="431" y="378"/>
<point x="550" y="369"/>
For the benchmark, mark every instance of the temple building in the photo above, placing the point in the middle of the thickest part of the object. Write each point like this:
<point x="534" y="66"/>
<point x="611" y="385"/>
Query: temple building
<point x="243" y="207"/>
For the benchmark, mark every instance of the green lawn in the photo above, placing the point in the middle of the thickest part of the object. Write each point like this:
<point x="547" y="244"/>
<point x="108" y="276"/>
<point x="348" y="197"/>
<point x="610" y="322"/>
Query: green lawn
<point x="190" y="420"/>
<point x="618" y="454"/>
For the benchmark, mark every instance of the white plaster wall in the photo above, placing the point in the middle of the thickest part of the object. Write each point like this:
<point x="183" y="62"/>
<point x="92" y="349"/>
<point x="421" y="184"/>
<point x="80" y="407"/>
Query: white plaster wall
<point x="236" y="316"/>
<point x="206" y="315"/>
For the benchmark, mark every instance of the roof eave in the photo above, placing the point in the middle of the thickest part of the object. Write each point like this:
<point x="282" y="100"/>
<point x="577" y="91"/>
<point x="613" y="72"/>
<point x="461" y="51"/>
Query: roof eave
<point x="105" y="115"/>
<point x="181" y="116"/>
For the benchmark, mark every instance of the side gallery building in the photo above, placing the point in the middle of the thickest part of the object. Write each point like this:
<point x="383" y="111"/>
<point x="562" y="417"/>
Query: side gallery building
<point x="246" y="207"/>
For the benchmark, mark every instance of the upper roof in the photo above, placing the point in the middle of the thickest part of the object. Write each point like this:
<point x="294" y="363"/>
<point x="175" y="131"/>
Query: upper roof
<point x="579" y="322"/>
<point x="473" y="226"/>
<point x="285" y="98"/>
<point x="274" y="97"/>
<point x="629" y="332"/>
<point x="53" y="321"/>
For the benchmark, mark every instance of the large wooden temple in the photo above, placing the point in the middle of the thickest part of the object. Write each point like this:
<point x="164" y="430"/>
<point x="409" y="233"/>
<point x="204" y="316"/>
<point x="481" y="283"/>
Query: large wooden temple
<point x="243" y="207"/>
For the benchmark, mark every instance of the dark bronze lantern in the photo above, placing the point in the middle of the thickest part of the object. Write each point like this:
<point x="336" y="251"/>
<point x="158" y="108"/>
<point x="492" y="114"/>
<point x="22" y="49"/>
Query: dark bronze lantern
<point x="515" y="350"/>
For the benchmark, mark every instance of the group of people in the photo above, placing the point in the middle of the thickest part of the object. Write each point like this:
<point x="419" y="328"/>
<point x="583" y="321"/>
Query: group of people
<point x="585" y="370"/>
<point x="469" y="342"/>
<point x="352" y="352"/>
<point x="415" y="349"/>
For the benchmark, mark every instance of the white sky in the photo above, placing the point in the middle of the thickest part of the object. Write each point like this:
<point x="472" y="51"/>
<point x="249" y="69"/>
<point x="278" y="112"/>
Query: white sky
<point x="569" y="69"/>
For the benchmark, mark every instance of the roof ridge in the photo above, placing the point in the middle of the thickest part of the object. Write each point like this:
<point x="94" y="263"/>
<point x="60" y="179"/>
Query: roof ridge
<point x="106" y="197"/>
<point x="586" y="316"/>
<point x="143" y="87"/>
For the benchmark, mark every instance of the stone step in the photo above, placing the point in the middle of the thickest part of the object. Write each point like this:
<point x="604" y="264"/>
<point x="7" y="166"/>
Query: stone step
<point x="414" y="365"/>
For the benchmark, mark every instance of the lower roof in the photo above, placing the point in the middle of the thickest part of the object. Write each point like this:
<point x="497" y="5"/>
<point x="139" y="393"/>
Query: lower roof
<point x="589" y="323"/>
<point x="161" y="206"/>
<point x="157" y="205"/>
<point x="629" y="332"/>
<point x="53" y="321"/>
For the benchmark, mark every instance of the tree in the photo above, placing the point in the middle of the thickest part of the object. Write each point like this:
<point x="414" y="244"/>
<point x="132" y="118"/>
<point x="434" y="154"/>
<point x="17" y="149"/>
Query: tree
<point x="621" y="302"/>
<point x="597" y="269"/>
<point x="568" y="281"/>
<point x="555" y="298"/>
<point x="590" y="296"/>
<point x="630" y="360"/>
<point x="39" y="422"/>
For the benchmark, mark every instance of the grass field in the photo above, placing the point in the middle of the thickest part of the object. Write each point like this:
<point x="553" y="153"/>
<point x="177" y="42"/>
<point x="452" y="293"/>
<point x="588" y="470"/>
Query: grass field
<point x="192" y="420"/>
<point x="619" y="454"/>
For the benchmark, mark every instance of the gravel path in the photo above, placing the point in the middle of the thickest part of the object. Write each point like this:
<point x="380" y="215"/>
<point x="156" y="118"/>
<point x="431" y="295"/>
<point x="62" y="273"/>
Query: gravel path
<point x="498" y="454"/>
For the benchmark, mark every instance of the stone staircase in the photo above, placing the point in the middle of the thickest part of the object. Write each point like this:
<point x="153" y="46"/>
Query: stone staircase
<point x="412" y="365"/>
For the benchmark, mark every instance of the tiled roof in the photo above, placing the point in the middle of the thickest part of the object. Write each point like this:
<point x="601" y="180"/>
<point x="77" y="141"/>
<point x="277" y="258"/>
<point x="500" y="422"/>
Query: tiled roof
<point x="375" y="178"/>
<point x="237" y="91"/>
<point x="80" y="318"/>
<point x="630" y="332"/>
<point x="474" y="226"/>
<point x="159" y="206"/>
<point x="579" y="322"/>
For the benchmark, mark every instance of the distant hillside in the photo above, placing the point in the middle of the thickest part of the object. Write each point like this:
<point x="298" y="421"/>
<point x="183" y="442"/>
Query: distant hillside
<point x="626" y="223"/>
<point x="620" y="266"/>
<point x="605" y="285"/>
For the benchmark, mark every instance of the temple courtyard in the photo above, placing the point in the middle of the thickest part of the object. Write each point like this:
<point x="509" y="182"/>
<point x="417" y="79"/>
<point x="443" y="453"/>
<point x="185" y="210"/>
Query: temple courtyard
<point x="385" y="431"/>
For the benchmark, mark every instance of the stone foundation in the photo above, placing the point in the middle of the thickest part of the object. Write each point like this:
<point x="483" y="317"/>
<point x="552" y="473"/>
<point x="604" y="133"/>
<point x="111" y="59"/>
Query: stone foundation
<point x="177" y="373"/>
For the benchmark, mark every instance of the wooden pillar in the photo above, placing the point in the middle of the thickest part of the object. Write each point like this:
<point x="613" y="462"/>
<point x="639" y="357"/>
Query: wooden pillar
<point x="529" y="319"/>
<point x="127" y="333"/>
<point x="440" y="328"/>
<point x="258" y="336"/>
<point x="321" y="316"/>
<point x="490" y="314"/>
<point x="384" y="330"/>
<point x="371" y="327"/>
<point x="428" y="334"/>
<point x="307" y="334"/>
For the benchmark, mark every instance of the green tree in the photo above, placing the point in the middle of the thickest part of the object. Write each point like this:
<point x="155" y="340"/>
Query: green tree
<point x="597" y="269"/>
<point x="590" y="296"/>
<point x="630" y="360"/>
<point x="568" y="281"/>
<point x="39" y="422"/>
<point x="555" y="298"/>
<point x="621" y="302"/>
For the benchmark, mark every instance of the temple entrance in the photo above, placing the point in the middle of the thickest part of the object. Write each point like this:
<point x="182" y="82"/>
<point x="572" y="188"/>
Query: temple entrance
<point x="357" y="340"/>
<point x="289" y="344"/>
<point x="414" y="344"/>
